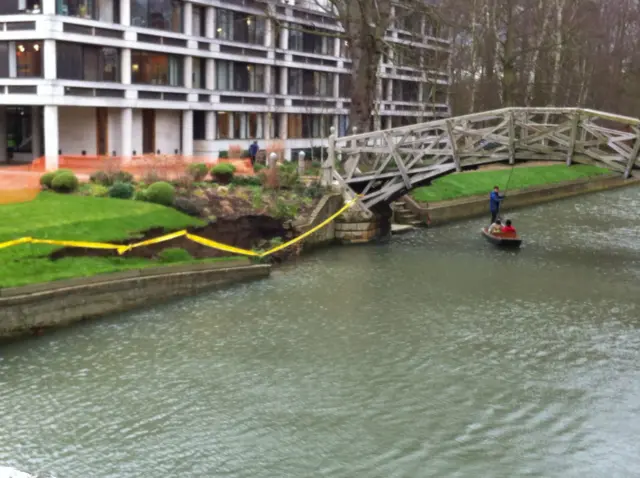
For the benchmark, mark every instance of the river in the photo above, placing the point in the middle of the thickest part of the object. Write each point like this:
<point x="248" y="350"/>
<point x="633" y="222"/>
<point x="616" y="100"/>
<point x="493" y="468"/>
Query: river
<point x="433" y="356"/>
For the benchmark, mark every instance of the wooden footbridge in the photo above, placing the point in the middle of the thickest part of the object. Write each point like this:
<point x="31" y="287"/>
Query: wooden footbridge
<point x="384" y="165"/>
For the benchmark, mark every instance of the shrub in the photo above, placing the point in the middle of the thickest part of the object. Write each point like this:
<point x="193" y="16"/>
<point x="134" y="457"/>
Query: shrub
<point x="100" y="177"/>
<point x="223" y="154"/>
<point x="98" y="190"/>
<point x="246" y="181"/>
<point x="109" y="178"/>
<point x="140" y="195"/>
<point x="198" y="171"/>
<point x="258" y="167"/>
<point x="174" y="254"/>
<point x="46" y="179"/>
<point x="121" y="190"/>
<point x="122" y="177"/>
<point x="314" y="191"/>
<point x="64" y="182"/>
<point x="245" y="154"/>
<point x="161" y="193"/>
<point x="223" y="172"/>
<point x="288" y="175"/>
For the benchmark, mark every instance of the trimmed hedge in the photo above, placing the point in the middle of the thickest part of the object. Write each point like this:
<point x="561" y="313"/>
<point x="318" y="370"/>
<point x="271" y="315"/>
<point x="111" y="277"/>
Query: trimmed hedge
<point x="161" y="193"/>
<point x="64" y="182"/>
<point x="122" y="190"/>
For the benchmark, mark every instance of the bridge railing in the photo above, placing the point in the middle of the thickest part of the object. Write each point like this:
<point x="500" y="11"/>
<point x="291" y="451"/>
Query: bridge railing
<point x="381" y="164"/>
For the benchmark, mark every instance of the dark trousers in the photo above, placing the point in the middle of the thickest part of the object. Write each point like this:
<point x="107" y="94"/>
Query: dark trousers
<point x="253" y="160"/>
<point x="494" y="216"/>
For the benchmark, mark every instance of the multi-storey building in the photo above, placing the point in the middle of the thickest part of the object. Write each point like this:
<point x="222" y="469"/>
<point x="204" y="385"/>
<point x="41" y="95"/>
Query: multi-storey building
<point x="130" y="77"/>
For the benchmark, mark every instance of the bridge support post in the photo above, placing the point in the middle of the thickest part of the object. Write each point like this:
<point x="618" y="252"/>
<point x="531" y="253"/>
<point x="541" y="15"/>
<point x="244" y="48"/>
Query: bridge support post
<point x="329" y="163"/>
<point x="575" y="121"/>
<point x="512" y="138"/>
<point x="454" y="146"/>
<point x="633" y="156"/>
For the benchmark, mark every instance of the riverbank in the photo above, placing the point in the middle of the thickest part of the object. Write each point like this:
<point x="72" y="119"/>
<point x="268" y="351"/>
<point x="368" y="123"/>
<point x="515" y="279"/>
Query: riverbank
<point x="472" y="183"/>
<point x="32" y="309"/>
<point x="444" y="212"/>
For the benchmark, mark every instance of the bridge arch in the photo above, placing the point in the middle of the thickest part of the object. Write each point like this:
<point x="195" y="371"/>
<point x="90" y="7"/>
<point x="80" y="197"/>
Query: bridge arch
<point x="384" y="165"/>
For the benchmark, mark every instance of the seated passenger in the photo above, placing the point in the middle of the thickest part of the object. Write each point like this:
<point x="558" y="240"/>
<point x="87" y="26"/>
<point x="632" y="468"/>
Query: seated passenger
<point x="508" y="228"/>
<point x="496" y="227"/>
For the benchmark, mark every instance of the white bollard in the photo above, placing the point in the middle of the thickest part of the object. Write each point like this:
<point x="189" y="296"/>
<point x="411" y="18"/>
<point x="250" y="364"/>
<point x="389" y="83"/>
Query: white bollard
<point x="301" y="166"/>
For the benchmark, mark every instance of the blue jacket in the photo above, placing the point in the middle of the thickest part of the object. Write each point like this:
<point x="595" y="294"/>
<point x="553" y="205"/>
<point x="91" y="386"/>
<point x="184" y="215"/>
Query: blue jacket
<point x="494" y="201"/>
<point x="253" y="149"/>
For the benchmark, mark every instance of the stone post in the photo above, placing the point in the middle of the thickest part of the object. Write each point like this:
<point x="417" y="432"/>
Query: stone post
<point x="273" y="160"/>
<point x="301" y="166"/>
<point x="328" y="165"/>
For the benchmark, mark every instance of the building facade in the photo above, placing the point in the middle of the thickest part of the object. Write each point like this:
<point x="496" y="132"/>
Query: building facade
<point x="131" y="77"/>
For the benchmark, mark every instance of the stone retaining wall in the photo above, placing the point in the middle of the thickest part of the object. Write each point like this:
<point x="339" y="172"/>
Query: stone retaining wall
<point x="357" y="232"/>
<point x="327" y="207"/>
<point x="476" y="206"/>
<point x="24" y="309"/>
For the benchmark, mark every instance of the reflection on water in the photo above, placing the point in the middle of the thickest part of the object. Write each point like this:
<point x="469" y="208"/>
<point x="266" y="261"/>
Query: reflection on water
<point x="434" y="356"/>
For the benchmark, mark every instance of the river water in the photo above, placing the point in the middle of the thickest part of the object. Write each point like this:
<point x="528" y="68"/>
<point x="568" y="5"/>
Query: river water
<point x="434" y="356"/>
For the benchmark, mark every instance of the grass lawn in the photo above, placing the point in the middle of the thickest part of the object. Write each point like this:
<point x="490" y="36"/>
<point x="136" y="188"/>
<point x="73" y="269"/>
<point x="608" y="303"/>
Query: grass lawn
<point x="56" y="216"/>
<point x="456" y="186"/>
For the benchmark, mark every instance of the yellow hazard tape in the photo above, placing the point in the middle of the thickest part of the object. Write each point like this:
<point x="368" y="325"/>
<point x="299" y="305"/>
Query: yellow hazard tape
<point x="220" y="246"/>
<point x="310" y="231"/>
<point x="155" y="240"/>
<point x="122" y="249"/>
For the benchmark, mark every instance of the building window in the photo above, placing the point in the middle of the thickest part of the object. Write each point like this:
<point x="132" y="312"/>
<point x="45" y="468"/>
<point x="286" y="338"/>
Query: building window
<point x="236" y="76"/>
<point x="345" y="87"/>
<point x="323" y="83"/>
<point x="87" y="62"/>
<point x="101" y="10"/>
<point x="295" y="79"/>
<point x="8" y="7"/>
<point x="157" y="14"/>
<point x="198" y="16"/>
<point x="303" y="40"/>
<point x="294" y="126"/>
<point x="4" y="59"/>
<point x="156" y="69"/>
<point x="29" y="59"/>
<point x="222" y="125"/>
<point x="240" y="27"/>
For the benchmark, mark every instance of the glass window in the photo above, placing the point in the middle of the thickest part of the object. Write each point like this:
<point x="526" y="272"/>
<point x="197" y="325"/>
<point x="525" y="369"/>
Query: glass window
<point x="224" y="24"/>
<point x="224" y="75"/>
<point x="222" y="125"/>
<point x="294" y="126"/>
<point x="295" y="81"/>
<point x="8" y="7"/>
<point x="87" y="62"/>
<point x="157" y="14"/>
<point x="345" y="87"/>
<point x="240" y="27"/>
<point x="196" y="21"/>
<point x="236" y="76"/>
<point x="323" y="83"/>
<point x="156" y="68"/>
<point x="101" y="10"/>
<point x="29" y="59"/>
<point x="4" y="59"/>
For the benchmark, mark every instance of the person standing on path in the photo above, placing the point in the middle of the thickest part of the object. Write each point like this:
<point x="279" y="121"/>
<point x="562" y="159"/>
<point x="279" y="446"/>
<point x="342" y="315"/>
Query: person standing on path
<point x="253" y="152"/>
<point x="495" y="198"/>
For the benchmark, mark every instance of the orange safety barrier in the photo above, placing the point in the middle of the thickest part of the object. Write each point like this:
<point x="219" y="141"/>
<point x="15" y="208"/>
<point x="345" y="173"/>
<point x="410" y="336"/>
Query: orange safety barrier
<point x="19" y="183"/>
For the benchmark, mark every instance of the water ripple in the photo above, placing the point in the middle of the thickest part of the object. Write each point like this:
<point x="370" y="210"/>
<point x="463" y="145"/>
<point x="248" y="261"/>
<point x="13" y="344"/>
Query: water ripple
<point x="435" y="356"/>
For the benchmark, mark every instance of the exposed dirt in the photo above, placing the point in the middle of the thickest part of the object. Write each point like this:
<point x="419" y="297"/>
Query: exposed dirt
<point x="246" y="232"/>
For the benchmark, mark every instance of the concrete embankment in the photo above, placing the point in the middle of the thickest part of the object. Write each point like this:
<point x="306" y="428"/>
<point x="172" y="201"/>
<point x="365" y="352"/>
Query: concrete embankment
<point x="28" y="309"/>
<point x="443" y="212"/>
